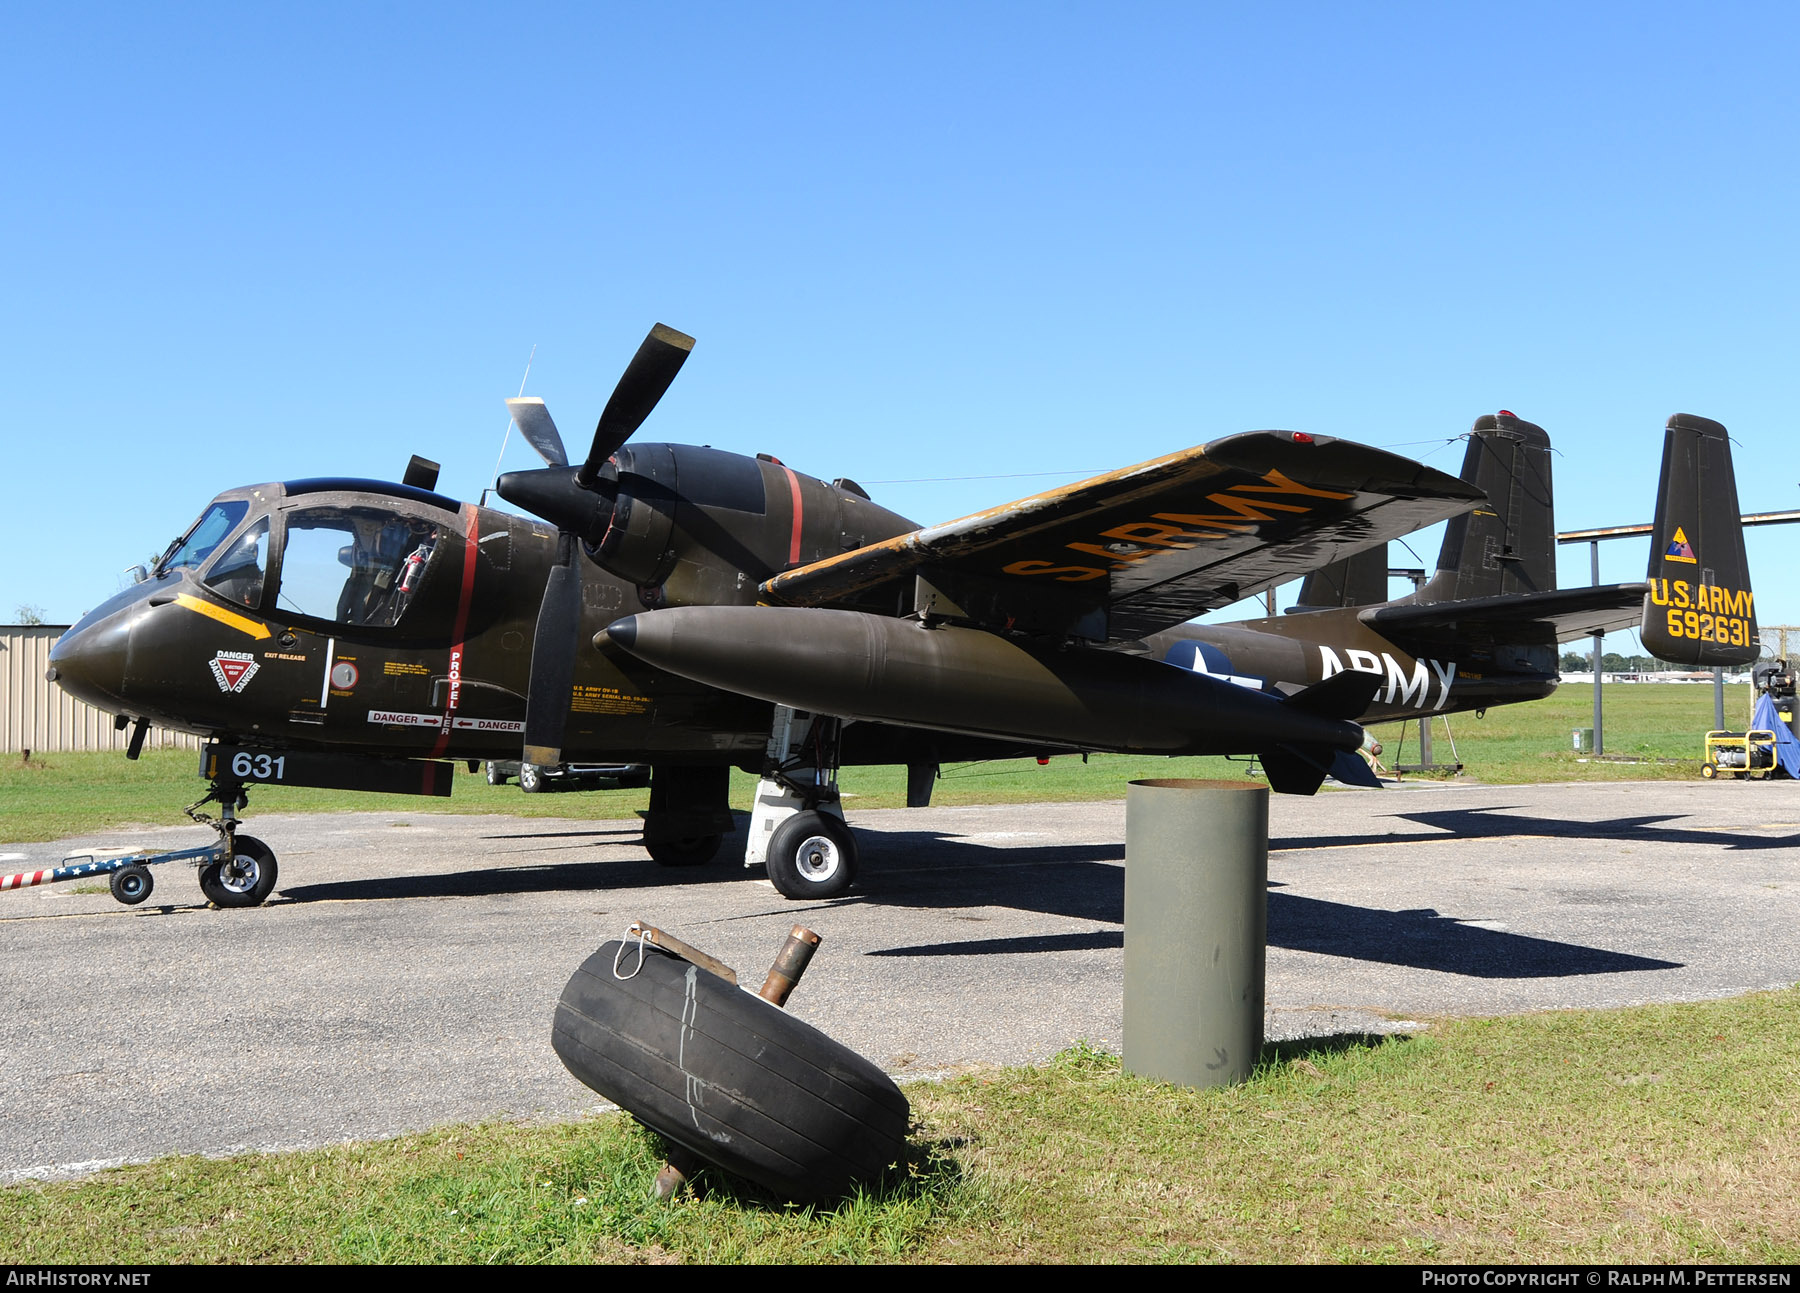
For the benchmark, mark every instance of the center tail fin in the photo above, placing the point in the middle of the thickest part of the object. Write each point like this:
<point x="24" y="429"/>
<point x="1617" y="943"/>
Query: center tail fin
<point x="1699" y="610"/>
<point x="1509" y="546"/>
<point x="1361" y="580"/>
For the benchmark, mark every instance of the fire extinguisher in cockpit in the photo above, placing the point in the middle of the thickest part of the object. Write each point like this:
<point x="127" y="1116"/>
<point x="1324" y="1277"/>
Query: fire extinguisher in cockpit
<point x="414" y="563"/>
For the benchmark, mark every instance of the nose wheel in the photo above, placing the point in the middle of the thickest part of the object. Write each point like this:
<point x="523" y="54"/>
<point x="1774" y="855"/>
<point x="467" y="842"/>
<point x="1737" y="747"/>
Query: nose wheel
<point x="244" y="879"/>
<point x="246" y="875"/>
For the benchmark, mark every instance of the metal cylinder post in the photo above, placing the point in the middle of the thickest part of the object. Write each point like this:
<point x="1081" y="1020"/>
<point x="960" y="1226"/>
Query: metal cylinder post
<point x="1196" y="929"/>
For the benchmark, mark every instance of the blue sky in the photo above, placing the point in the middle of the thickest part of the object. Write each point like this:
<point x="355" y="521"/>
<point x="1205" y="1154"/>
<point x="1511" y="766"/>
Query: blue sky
<point x="919" y="243"/>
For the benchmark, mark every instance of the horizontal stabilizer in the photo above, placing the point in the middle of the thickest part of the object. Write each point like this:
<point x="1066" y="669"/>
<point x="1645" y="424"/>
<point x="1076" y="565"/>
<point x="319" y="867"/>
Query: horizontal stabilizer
<point x="1523" y="619"/>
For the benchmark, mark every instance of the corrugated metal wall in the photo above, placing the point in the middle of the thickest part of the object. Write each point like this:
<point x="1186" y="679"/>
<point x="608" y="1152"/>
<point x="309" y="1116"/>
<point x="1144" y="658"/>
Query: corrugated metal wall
<point x="39" y="715"/>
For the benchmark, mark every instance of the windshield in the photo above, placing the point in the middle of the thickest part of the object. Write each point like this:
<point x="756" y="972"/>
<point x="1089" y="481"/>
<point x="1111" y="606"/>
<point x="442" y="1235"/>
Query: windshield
<point x="207" y="534"/>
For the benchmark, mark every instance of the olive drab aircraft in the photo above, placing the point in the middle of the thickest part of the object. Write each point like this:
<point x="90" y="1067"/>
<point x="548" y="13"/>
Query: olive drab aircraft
<point x="1484" y="629"/>
<point x="697" y="610"/>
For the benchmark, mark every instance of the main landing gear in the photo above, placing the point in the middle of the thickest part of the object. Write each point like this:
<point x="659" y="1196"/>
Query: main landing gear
<point x="689" y="816"/>
<point x="797" y="828"/>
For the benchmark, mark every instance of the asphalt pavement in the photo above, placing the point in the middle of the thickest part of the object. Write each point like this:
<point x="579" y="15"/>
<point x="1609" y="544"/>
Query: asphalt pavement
<point x="405" y="973"/>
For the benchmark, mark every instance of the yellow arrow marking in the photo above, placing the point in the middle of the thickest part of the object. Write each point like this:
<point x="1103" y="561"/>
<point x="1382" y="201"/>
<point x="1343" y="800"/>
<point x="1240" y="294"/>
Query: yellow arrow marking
<point x="243" y="624"/>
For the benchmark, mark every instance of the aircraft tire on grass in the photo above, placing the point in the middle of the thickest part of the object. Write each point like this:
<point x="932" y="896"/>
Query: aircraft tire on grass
<point x="692" y="850"/>
<point x="246" y="880"/>
<point x="132" y="884"/>
<point x="811" y="856"/>
<point x="729" y="1077"/>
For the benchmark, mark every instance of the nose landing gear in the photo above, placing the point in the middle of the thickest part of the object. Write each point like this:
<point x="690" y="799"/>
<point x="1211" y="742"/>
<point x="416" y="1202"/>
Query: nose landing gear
<point x="245" y="874"/>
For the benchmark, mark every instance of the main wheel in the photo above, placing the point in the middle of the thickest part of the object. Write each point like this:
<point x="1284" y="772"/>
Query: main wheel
<point x="724" y="1074"/>
<point x="131" y="884"/>
<point x="812" y="855"/>
<point x="495" y="777"/>
<point x="531" y="780"/>
<point x="693" y="850"/>
<point x="242" y="880"/>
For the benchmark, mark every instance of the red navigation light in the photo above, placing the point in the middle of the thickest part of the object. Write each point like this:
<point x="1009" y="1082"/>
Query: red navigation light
<point x="1508" y="413"/>
<point x="1043" y="763"/>
<point x="1300" y="437"/>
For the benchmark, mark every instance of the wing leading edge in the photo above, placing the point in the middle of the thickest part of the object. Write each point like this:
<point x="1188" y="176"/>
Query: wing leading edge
<point x="1145" y="548"/>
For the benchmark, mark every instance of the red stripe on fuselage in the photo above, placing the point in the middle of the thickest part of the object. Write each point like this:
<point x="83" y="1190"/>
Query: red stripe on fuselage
<point x="794" y="492"/>
<point x="470" y="551"/>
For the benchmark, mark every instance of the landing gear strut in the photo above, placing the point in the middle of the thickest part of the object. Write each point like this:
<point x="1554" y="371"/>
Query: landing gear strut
<point x="797" y="828"/>
<point x="246" y="875"/>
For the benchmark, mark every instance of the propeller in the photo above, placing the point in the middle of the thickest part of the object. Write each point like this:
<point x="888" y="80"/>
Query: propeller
<point x="553" y="648"/>
<point x="533" y="420"/>
<point x="580" y="507"/>
<point x="646" y="379"/>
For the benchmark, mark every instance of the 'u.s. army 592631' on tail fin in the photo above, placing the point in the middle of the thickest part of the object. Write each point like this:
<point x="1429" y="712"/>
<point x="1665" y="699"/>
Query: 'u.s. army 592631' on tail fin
<point x="1700" y="609"/>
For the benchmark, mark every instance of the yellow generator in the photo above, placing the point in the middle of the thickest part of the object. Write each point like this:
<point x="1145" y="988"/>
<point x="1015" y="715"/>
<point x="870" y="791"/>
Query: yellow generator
<point x="1739" y="753"/>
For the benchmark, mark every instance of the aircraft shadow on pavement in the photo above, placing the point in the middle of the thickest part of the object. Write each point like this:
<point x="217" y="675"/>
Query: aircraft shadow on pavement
<point x="625" y="833"/>
<point x="1070" y="881"/>
<point x="1075" y="881"/>
<point x="1501" y="823"/>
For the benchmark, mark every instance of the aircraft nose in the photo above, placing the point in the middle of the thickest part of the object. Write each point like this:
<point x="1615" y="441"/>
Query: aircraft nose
<point x="89" y="663"/>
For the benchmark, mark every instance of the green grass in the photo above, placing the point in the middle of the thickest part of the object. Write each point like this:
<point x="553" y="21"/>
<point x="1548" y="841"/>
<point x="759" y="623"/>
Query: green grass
<point x="1653" y="1134"/>
<point x="1533" y="742"/>
<point x="58" y="795"/>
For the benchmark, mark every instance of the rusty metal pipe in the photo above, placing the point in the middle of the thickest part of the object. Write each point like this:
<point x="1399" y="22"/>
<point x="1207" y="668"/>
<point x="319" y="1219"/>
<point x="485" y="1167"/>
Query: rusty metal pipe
<point x="790" y="964"/>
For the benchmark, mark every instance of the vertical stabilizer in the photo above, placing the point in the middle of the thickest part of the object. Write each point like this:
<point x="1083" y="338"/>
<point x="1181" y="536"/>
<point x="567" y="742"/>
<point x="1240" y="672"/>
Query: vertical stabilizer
<point x="1700" y="610"/>
<point x="1509" y="546"/>
<point x="1361" y="580"/>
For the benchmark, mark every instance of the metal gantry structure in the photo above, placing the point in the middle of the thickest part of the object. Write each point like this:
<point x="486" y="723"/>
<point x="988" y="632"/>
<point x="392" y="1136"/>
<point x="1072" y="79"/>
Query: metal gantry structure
<point x="1594" y="538"/>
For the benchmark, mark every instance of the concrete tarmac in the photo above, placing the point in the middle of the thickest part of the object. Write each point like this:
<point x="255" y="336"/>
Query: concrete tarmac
<point x="405" y="973"/>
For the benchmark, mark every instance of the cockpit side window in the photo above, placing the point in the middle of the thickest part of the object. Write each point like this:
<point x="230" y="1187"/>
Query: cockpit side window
<point x="207" y="534"/>
<point x="237" y="575"/>
<point x="354" y="565"/>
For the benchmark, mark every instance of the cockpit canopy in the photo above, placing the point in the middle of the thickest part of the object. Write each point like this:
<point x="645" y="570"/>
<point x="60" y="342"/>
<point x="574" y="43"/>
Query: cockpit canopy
<point x="360" y="554"/>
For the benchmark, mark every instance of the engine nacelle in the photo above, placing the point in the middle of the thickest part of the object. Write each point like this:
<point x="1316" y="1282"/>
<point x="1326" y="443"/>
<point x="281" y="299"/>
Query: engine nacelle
<point x="692" y="525"/>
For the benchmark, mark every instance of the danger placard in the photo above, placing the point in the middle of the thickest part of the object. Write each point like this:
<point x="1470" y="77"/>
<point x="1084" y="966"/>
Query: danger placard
<point x="233" y="670"/>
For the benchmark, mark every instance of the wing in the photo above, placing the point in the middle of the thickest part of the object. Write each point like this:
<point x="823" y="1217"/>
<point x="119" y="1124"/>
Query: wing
<point x="1145" y="548"/>
<point x="1527" y="618"/>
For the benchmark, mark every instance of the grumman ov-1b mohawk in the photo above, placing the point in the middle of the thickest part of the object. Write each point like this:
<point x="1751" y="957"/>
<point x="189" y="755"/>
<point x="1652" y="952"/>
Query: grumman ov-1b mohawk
<point x="696" y="610"/>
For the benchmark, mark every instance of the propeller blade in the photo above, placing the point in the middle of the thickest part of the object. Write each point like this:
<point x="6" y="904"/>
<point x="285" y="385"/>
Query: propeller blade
<point x="553" y="657"/>
<point x="645" y="381"/>
<point x="540" y="432"/>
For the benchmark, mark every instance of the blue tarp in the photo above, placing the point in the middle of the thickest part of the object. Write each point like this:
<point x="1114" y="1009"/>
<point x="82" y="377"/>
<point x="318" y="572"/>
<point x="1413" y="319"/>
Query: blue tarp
<point x="1787" y="745"/>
